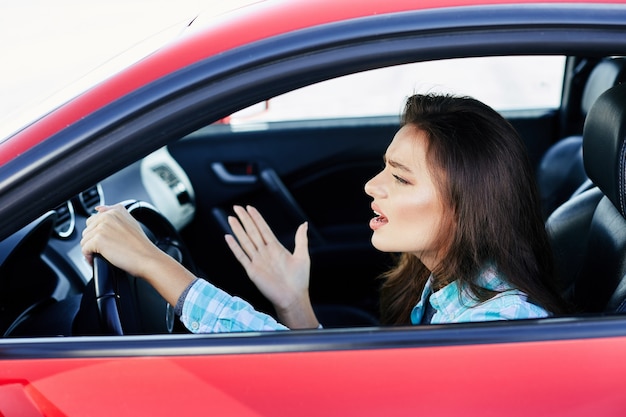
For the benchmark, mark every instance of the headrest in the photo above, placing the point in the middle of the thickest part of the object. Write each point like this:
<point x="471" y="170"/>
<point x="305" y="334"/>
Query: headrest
<point x="604" y="145"/>
<point x="606" y="74"/>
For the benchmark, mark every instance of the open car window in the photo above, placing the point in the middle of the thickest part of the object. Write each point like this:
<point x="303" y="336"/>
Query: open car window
<point x="287" y="171"/>
<point x="305" y="156"/>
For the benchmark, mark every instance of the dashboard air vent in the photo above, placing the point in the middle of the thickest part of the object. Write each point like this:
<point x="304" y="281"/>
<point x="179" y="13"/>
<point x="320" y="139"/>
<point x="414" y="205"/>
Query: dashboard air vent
<point x="65" y="222"/>
<point x="90" y="199"/>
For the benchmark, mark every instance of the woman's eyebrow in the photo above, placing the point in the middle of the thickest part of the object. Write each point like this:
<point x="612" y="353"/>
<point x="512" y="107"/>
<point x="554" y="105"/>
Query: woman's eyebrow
<point x="396" y="164"/>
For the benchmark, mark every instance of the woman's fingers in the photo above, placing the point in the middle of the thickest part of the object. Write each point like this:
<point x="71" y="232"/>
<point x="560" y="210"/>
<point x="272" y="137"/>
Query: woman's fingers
<point x="92" y="235"/>
<point x="239" y="253"/>
<point x="301" y="249"/>
<point x="243" y="240"/>
<point x="264" y="229"/>
<point x="250" y="226"/>
<point x="252" y="231"/>
<point x="118" y="237"/>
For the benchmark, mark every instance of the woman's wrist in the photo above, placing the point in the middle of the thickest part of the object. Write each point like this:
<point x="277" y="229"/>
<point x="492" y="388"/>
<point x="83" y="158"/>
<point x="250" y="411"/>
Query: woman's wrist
<point x="150" y="262"/>
<point x="166" y="275"/>
<point x="298" y="315"/>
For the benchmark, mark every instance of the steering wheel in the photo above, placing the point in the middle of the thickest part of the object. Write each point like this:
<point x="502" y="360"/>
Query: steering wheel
<point x="129" y="305"/>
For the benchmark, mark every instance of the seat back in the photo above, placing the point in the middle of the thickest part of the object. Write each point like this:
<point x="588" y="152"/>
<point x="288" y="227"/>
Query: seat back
<point x="588" y="232"/>
<point x="561" y="171"/>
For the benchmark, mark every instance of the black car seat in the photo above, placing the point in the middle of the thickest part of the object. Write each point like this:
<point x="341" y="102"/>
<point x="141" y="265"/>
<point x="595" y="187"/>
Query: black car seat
<point x="588" y="232"/>
<point x="561" y="173"/>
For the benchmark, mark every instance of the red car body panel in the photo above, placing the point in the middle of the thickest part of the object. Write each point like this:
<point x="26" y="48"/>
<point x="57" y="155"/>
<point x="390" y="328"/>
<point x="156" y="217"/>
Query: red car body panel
<point x="250" y="24"/>
<point x="534" y="378"/>
<point x="565" y="377"/>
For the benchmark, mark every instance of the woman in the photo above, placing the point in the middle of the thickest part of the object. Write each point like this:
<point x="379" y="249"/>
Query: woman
<point x="488" y="253"/>
<point x="456" y="199"/>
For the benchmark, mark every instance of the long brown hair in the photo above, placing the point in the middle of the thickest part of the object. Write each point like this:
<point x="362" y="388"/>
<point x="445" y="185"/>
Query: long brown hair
<point x="484" y="177"/>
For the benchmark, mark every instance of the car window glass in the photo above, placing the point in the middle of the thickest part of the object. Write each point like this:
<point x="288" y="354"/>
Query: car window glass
<point x="505" y="83"/>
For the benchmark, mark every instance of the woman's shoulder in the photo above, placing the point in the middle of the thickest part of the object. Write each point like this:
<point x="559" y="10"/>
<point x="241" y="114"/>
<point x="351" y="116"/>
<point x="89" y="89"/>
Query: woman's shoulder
<point x="511" y="304"/>
<point x="508" y="303"/>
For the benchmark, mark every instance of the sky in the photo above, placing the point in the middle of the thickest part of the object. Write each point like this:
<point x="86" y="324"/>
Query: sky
<point x="46" y="45"/>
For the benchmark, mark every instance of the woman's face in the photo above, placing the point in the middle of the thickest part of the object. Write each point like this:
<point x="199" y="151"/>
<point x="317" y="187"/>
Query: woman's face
<point x="409" y="210"/>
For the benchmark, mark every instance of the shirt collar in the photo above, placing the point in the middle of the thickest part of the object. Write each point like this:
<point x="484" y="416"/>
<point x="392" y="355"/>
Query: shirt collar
<point x="452" y="296"/>
<point x="452" y="299"/>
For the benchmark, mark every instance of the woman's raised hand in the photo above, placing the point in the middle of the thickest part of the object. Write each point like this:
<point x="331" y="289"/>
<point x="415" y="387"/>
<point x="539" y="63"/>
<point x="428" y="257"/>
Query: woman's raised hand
<point x="281" y="276"/>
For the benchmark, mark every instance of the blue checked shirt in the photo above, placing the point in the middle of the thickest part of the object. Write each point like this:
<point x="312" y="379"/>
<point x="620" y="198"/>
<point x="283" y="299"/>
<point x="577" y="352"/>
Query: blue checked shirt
<point x="454" y="304"/>
<point x="207" y="309"/>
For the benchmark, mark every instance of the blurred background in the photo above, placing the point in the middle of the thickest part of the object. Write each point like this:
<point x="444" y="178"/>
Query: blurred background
<point x="47" y="44"/>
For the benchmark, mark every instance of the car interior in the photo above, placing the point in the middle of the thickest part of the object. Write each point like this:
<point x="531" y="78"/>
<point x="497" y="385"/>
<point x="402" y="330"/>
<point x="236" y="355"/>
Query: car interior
<point x="561" y="173"/>
<point x="314" y="170"/>
<point x="589" y="230"/>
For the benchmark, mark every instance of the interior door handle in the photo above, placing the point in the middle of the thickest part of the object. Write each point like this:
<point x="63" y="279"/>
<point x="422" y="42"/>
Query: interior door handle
<point x="229" y="178"/>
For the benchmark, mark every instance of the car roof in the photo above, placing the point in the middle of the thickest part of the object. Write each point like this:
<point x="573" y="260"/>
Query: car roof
<point x="208" y="37"/>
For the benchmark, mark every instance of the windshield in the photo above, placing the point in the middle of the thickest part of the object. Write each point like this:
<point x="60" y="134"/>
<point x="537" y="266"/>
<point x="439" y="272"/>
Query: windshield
<point x="48" y="47"/>
<point x="23" y="113"/>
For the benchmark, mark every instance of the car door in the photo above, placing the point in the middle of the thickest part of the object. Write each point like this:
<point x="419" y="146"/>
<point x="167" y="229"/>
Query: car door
<point x="549" y="366"/>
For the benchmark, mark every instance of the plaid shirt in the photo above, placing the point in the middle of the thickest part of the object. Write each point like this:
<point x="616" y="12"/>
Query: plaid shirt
<point x="455" y="305"/>
<point x="205" y="308"/>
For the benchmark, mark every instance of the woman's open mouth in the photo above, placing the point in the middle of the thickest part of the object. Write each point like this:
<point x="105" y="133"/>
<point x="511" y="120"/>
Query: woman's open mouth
<point x="379" y="221"/>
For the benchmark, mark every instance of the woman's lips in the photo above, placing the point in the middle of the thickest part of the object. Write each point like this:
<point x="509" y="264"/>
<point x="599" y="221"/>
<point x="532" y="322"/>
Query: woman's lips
<point x="379" y="221"/>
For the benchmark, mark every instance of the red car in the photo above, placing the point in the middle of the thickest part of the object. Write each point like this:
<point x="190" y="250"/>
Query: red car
<point x="281" y="105"/>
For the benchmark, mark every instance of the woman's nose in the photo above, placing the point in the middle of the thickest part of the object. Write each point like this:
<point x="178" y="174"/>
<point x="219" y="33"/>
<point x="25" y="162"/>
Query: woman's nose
<point x="372" y="187"/>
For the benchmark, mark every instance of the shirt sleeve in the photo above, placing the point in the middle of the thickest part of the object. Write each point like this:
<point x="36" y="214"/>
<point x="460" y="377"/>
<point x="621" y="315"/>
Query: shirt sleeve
<point x="207" y="309"/>
<point x="178" y="308"/>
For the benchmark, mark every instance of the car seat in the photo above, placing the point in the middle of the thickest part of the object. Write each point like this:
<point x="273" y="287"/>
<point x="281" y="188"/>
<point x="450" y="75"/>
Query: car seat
<point x="561" y="173"/>
<point x="588" y="232"/>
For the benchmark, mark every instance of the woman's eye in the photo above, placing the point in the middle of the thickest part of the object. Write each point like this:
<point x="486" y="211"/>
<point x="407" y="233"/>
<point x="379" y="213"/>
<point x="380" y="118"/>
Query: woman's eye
<point x="400" y="179"/>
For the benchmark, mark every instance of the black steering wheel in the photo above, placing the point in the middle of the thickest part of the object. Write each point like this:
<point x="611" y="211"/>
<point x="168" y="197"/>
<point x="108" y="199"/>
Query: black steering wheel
<point x="129" y="305"/>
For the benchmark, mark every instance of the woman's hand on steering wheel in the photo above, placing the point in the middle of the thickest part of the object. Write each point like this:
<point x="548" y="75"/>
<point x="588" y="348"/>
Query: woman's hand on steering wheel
<point x="118" y="237"/>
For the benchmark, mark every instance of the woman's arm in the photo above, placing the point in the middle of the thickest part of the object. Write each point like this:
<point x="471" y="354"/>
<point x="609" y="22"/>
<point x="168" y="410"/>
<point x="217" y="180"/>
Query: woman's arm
<point x="281" y="276"/>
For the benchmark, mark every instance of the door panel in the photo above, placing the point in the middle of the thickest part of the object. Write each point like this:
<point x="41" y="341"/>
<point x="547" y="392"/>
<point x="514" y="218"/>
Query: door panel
<point x="562" y="377"/>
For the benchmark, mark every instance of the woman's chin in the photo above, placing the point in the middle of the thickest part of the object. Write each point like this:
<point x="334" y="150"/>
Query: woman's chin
<point x="380" y="244"/>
